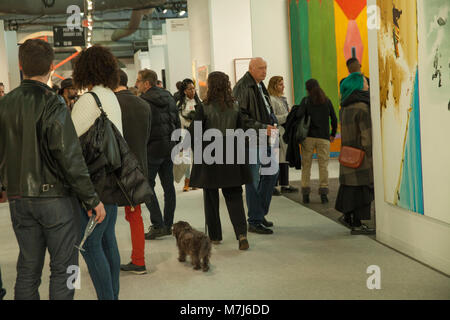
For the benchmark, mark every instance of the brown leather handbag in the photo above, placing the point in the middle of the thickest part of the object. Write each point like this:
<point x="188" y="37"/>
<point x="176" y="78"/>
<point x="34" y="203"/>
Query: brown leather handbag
<point x="351" y="157"/>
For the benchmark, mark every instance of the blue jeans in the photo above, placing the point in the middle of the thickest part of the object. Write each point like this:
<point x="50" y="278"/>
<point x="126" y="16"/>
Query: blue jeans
<point x="259" y="193"/>
<point x="40" y="224"/>
<point x="164" y="168"/>
<point x="102" y="254"/>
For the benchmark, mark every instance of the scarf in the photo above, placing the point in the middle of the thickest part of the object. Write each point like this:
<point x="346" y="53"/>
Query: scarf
<point x="353" y="82"/>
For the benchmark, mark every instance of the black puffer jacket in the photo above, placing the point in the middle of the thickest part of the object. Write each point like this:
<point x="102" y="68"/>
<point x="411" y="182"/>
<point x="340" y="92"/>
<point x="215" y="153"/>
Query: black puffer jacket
<point x="164" y="121"/>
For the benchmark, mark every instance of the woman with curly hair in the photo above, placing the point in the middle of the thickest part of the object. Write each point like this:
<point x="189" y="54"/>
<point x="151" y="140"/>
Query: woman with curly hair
<point x="221" y="112"/>
<point x="96" y="70"/>
<point x="187" y="105"/>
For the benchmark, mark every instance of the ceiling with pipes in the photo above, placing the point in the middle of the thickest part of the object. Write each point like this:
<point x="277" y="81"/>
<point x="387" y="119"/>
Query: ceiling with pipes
<point x="122" y="25"/>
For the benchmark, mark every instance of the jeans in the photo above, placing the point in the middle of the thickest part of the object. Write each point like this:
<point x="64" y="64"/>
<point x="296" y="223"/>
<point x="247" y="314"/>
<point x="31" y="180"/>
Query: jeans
<point x="102" y="255"/>
<point x="40" y="224"/>
<point x="259" y="192"/>
<point x="164" y="168"/>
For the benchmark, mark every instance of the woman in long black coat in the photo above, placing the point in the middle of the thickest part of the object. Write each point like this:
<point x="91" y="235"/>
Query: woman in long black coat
<point x="220" y="112"/>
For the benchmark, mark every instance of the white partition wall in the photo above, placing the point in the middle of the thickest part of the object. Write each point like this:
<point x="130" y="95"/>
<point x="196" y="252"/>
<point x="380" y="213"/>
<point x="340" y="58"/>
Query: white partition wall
<point x="419" y="236"/>
<point x="178" y="63"/>
<point x="270" y="39"/>
<point x="231" y="34"/>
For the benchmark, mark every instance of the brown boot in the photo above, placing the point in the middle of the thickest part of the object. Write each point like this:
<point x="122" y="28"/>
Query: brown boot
<point x="186" y="185"/>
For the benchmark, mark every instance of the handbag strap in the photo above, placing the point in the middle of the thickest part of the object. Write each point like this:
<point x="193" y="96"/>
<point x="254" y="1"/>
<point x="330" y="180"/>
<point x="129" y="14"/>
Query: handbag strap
<point x="99" y="104"/>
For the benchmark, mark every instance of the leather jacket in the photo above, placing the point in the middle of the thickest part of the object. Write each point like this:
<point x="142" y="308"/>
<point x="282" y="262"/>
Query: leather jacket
<point x="40" y="154"/>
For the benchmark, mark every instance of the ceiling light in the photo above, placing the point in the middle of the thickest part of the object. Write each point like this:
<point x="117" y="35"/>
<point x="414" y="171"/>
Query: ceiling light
<point x="165" y="11"/>
<point x="182" y="13"/>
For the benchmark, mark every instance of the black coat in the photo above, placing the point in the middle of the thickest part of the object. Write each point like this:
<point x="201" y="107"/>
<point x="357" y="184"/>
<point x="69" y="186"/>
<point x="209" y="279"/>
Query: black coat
<point x="212" y="176"/>
<point x="253" y="108"/>
<point x="164" y="121"/>
<point x="290" y="138"/>
<point x="136" y="121"/>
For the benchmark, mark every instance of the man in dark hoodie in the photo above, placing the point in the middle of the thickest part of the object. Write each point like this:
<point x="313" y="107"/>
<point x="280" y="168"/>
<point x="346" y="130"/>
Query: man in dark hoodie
<point x="164" y="121"/>
<point x="136" y="119"/>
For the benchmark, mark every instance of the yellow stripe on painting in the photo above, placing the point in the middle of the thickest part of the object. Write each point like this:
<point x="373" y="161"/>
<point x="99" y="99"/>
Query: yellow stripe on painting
<point x="361" y="21"/>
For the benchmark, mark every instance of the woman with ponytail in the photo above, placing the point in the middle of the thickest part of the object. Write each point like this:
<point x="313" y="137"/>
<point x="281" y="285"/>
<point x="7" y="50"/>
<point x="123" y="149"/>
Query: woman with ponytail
<point x="319" y="108"/>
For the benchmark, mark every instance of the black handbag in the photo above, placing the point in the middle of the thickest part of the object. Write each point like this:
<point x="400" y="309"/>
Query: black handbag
<point x="114" y="169"/>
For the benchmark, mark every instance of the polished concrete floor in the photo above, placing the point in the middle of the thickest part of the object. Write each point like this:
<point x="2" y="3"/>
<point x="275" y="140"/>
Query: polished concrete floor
<point x="308" y="257"/>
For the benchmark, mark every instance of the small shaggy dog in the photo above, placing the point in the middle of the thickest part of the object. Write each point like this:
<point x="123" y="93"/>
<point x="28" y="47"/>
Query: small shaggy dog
<point x="194" y="243"/>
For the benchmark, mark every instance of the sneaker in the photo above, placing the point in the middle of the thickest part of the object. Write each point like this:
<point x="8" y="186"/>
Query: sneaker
<point x="276" y="192"/>
<point x="362" y="230"/>
<point x="243" y="243"/>
<point x="324" y="198"/>
<point x="215" y="241"/>
<point x="155" y="232"/>
<point x="133" y="268"/>
<point x="266" y="223"/>
<point x="259" y="229"/>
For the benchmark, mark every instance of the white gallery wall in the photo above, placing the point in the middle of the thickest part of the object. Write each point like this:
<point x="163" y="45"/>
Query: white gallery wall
<point x="421" y="237"/>
<point x="231" y="34"/>
<point x="270" y="39"/>
<point x="199" y="32"/>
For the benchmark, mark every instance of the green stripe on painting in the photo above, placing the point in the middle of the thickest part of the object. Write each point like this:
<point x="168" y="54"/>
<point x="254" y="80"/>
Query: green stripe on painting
<point x="322" y="44"/>
<point x="301" y="67"/>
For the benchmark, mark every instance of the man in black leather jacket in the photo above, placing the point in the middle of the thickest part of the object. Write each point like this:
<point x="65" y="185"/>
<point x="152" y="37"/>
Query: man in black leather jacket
<point x="45" y="177"/>
<point x="165" y="120"/>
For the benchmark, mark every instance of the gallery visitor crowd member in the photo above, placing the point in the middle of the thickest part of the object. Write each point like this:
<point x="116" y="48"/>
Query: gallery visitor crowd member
<point x="2" y="89"/>
<point x="220" y="112"/>
<point x="281" y="110"/>
<point x="356" y="192"/>
<point x="318" y="107"/>
<point x="257" y="113"/>
<point x="187" y="105"/>
<point x="45" y="177"/>
<point x="164" y="121"/>
<point x="68" y="92"/>
<point x="136" y="120"/>
<point x="96" y="70"/>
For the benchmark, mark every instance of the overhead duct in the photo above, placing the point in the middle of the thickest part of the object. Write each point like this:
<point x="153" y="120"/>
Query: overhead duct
<point x="135" y="21"/>
<point x="55" y="7"/>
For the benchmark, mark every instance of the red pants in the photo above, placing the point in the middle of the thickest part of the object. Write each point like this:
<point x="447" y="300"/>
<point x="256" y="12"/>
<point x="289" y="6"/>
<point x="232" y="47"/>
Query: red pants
<point x="137" y="234"/>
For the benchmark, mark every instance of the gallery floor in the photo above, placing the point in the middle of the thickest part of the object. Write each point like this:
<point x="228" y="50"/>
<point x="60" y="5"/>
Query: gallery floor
<point x="308" y="257"/>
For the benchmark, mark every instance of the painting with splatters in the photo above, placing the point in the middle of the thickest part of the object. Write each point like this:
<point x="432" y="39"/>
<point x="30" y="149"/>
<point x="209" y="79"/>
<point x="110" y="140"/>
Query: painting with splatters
<point x="434" y="95"/>
<point x="400" y="104"/>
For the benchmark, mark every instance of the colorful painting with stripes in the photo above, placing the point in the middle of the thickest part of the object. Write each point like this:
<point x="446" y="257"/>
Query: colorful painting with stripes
<point x="324" y="34"/>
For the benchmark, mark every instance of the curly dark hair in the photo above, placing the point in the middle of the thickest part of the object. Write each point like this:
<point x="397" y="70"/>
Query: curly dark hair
<point x="96" y="66"/>
<point x="219" y="89"/>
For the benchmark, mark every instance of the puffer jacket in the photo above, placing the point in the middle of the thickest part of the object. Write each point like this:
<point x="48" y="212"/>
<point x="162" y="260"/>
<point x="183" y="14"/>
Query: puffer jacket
<point x="40" y="154"/>
<point x="164" y="121"/>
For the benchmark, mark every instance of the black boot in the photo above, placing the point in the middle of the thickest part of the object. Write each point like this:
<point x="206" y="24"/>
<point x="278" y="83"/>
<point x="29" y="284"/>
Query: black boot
<point x="306" y="198"/>
<point x="324" y="198"/>
<point x="305" y="193"/>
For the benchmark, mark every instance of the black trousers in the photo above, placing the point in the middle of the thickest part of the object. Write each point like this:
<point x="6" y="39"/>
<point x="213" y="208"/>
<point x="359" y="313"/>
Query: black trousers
<point x="235" y="206"/>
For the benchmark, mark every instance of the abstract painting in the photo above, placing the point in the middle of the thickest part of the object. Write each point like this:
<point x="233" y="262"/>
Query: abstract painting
<point x="434" y="94"/>
<point x="324" y="34"/>
<point x="400" y="104"/>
